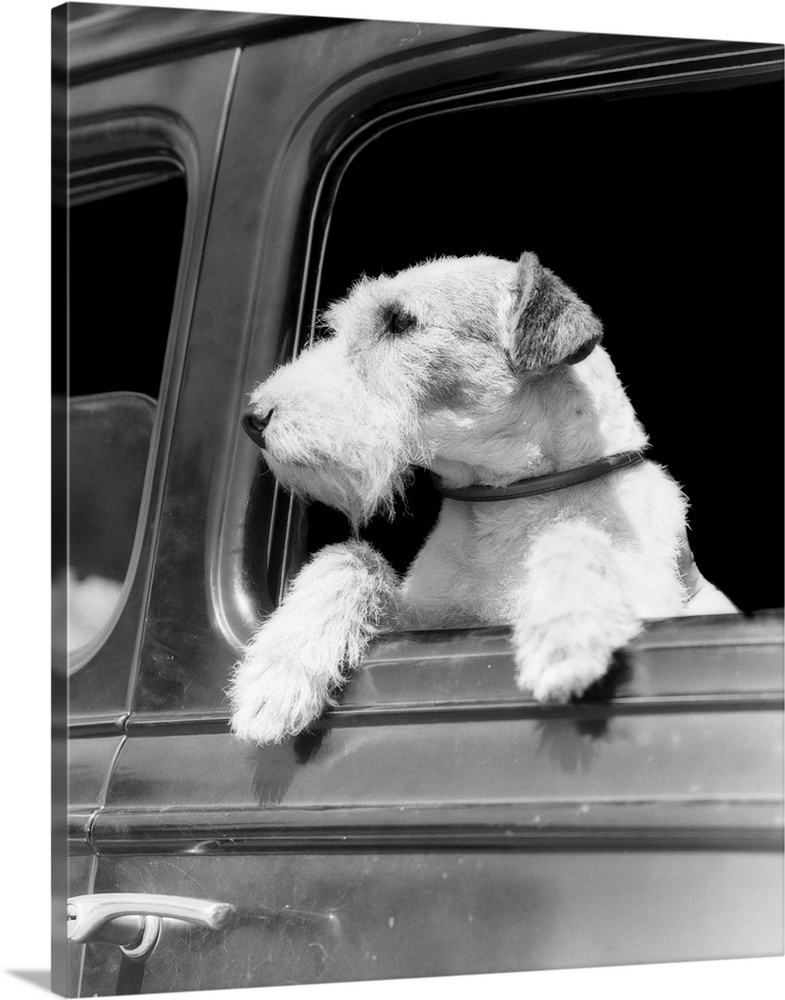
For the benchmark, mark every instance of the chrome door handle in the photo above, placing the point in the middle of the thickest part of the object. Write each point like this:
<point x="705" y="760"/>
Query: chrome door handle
<point x="133" y="920"/>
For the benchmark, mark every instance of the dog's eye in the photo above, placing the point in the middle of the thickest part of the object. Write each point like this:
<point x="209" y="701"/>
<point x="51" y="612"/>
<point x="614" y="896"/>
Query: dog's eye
<point x="398" y="322"/>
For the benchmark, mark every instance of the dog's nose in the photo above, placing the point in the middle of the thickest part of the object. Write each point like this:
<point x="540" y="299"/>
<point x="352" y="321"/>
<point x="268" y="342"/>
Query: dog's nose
<point x="255" y="425"/>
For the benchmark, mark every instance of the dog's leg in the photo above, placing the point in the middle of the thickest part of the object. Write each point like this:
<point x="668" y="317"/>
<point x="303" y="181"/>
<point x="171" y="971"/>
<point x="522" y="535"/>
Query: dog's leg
<point x="574" y="611"/>
<point x="297" y="659"/>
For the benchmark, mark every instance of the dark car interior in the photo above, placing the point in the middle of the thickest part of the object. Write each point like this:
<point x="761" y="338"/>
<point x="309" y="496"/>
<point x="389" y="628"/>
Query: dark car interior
<point x="124" y="251"/>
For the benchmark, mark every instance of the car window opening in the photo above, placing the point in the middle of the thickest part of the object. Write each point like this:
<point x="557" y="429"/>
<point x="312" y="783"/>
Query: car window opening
<point x="575" y="211"/>
<point x="119" y="314"/>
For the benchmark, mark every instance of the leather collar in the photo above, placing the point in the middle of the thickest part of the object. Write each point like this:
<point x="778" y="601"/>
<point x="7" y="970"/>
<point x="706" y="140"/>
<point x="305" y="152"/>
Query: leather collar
<point x="538" y="485"/>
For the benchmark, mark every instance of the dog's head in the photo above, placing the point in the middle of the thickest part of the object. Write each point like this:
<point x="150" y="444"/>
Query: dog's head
<point x="451" y="365"/>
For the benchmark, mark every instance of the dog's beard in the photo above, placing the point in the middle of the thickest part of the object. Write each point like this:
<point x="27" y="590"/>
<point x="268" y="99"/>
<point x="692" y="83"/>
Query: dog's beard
<point x="338" y="442"/>
<point x="359" y="486"/>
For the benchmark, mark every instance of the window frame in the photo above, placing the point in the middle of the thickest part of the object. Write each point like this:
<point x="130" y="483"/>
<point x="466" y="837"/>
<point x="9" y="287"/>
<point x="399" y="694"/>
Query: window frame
<point x="235" y="606"/>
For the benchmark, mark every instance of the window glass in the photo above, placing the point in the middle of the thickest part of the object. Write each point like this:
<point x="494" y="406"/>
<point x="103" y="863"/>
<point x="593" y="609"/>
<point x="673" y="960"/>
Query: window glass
<point x="124" y="250"/>
<point x="109" y="441"/>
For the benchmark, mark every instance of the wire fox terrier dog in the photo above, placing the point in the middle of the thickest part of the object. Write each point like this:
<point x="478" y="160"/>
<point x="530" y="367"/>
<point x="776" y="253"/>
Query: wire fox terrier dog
<point x="490" y="374"/>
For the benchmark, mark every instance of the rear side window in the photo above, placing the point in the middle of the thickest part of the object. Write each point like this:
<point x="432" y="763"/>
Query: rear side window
<point x="124" y="238"/>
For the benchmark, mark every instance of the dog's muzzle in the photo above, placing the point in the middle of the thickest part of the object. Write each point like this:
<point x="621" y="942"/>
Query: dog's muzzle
<point x="255" y="425"/>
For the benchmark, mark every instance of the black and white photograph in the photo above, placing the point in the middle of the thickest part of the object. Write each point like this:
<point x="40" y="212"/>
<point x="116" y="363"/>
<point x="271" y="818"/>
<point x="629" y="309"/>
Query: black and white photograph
<point x="417" y="498"/>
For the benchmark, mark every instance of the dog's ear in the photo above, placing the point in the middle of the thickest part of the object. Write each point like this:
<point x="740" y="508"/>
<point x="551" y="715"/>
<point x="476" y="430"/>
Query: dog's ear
<point x="549" y="323"/>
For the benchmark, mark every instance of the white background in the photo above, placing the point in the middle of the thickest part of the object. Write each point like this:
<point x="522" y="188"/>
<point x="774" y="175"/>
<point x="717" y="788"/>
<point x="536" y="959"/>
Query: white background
<point x="24" y="483"/>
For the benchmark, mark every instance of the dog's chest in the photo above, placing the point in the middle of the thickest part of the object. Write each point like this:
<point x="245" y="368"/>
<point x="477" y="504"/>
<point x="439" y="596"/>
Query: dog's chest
<point x="472" y="562"/>
<point x="497" y="536"/>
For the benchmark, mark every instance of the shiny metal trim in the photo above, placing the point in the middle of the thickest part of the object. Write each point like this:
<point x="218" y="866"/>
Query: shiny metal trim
<point x="659" y="824"/>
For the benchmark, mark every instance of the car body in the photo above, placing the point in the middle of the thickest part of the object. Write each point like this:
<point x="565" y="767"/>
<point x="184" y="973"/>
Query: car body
<point x="435" y="822"/>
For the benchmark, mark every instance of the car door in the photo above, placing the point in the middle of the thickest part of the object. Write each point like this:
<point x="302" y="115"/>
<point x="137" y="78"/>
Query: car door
<point x="434" y="822"/>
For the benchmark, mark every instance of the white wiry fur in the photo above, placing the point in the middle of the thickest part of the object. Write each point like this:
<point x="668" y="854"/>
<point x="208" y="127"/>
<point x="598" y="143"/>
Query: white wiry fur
<point x="484" y="371"/>
<point x="293" y="664"/>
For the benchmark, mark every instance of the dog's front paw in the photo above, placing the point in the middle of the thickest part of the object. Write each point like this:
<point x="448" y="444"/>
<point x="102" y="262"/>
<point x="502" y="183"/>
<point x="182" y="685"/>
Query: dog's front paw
<point x="273" y="703"/>
<point x="559" y="680"/>
<point x="560" y="660"/>
<point x="301" y="655"/>
<point x="273" y="694"/>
